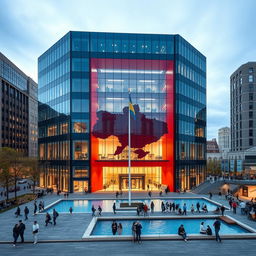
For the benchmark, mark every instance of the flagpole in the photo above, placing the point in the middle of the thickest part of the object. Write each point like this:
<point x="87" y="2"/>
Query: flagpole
<point x="129" y="153"/>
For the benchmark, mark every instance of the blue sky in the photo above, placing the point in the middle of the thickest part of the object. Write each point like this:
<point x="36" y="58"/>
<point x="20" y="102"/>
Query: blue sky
<point x="223" y="30"/>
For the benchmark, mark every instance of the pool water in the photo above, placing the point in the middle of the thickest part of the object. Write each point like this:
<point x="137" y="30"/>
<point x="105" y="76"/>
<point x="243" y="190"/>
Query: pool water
<point x="166" y="227"/>
<point x="85" y="206"/>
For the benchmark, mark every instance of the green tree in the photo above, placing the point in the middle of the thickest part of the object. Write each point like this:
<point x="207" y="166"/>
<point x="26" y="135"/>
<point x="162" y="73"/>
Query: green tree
<point x="17" y="164"/>
<point x="32" y="171"/>
<point x="6" y="177"/>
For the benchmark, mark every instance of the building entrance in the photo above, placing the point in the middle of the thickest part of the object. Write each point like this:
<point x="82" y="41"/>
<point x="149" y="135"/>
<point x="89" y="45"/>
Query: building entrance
<point x="137" y="182"/>
<point x="142" y="178"/>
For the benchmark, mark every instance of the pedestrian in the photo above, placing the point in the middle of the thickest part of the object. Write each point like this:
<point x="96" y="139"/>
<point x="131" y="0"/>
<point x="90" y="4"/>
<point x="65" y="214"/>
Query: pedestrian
<point x="47" y="219"/>
<point x="26" y="212"/>
<point x="35" y="207"/>
<point x="114" y="227"/>
<point x="15" y="233"/>
<point x="114" y="208"/>
<point x="17" y="213"/>
<point x="192" y="209"/>
<point x="35" y="230"/>
<point x="210" y="195"/>
<point x="152" y="206"/>
<point x="70" y="210"/>
<point x="198" y="207"/>
<point x="160" y="193"/>
<point x="99" y="210"/>
<point x="138" y="232"/>
<point x="209" y="231"/>
<point x="21" y="230"/>
<point x="182" y="233"/>
<point x="55" y="215"/>
<point x="216" y="225"/>
<point x="119" y="229"/>
<point x="138" y="210"/>
<point x="184" y="209"/>
<point x="149" y="193"/>
<point x="219" y="194"/>
<point x="234" y="206"/>
<point x="202" y="228"/>
<point x="117" y="194"/>
<point x="162" y="207"/>
<point x="242" y="206"/>
<point x="93" y="211"/>
<point x="222" y="208"/>
<point x="134" y="231"/>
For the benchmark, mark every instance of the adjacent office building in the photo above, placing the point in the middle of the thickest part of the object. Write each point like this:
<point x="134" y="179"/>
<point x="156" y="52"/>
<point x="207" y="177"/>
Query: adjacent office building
<point x="243" y="107"/>
<point x="19" y="111"/>
<point x="224" y="139"/>
<point x="84" y="80"/>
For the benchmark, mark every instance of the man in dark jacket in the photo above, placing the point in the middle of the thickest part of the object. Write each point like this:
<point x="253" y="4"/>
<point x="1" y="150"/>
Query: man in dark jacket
<point x="54" y="216"/>
<point x="26" y="212"/>
<point x="216" y="225"/>
<point x="21" y="229"/>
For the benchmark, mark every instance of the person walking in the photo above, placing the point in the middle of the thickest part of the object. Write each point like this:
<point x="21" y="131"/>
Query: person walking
<point x="198" y="207"/>
<point x="184" y="209"/>
<point x="35" y="230"/>
<point x="119" y="229"/>
<point x="138" y="232"/>
<point x="222" y="208"/>
<point x="234" y="206"/>
<point x="70" y="210"/>
<point x="134" y="231"/>
<point x="21" y="230"/>
<point x="15" y="233"/>
<point x="182" y="233"/>
<point x="99" y="210"/>
<point x="55" y="215"/>
<point x="35" y="207"/>
<point x="152" y="207"/>
<point x="216" y="225"/>
<point x="114" y="208"/>
<point x="47" y="219"/>
<point x="210" y="195"/>
<point x="149" y="193"/>
<point x="114" y="227"/>
<point x="192" y="209"/>
<point x="26" y="212"/>
<point x="17" y="213"/>
<point x="93" y="211"/>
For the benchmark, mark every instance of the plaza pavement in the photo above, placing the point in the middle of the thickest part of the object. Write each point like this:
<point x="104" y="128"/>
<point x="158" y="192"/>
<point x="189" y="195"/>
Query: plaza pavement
<point x="72" y="227"/>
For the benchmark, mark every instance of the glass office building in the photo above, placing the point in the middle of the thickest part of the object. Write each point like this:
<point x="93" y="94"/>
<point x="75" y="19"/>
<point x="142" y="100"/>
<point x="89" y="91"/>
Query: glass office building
<point x="84" y="81"/>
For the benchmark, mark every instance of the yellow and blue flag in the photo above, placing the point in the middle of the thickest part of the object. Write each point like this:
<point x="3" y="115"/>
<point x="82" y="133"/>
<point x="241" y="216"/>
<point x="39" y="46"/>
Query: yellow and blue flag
<point x="131" y="108"/>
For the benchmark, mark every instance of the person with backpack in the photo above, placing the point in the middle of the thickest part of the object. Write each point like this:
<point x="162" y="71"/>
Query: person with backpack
<point x="26" y="212"/>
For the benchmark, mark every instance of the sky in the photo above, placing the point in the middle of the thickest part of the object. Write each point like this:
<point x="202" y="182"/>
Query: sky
<point x="223" y="30"/>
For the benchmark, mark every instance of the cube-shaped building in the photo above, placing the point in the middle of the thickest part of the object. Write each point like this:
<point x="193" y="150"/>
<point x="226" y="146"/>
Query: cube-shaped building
<point x="84" y="84"/>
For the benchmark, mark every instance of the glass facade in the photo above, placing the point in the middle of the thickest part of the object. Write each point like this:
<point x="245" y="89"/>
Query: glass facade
<point x="83" y="92"/>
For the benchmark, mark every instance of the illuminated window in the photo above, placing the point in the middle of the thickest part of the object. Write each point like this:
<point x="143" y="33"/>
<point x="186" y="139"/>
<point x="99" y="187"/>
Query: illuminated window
<point x="63" y="128"/>
<point x="80" y="172"/>
<point x="80" y="126"/>
<point x="80" y="150"/>
<point x="52" y="130"/>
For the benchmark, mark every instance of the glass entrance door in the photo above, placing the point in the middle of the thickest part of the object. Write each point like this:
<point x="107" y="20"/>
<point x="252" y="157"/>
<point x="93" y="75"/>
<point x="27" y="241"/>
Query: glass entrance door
<point x="137" y="182"/>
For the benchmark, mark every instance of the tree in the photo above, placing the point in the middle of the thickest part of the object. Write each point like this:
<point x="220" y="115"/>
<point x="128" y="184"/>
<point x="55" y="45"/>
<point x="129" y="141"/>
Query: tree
<point x="6" y="178"/>
<point x="17" y="164"/>
<point x="32" y="171"/>
<point x="214" y="167"/>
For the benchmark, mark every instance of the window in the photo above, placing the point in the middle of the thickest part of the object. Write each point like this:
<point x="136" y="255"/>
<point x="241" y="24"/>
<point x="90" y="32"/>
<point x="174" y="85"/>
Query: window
<point x="80" y="85"/>
<point x="250" y="133"/>
<point x="80" y="172"/>
<point x="250" y="142"/>
<point x="250" y="70"/>
<point x="63" y="128"/>
<point x="250" y="78"/>
<point x="80" y="64"/>
<point x="250" y="123"/>
<point x="80" y="126"/>
<point x="250" y="106"/>
<point x="250" y="114"/>
<point x="80" y="105"/>
<point x="52" y="130"/>
<point x="80" y="150"/>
